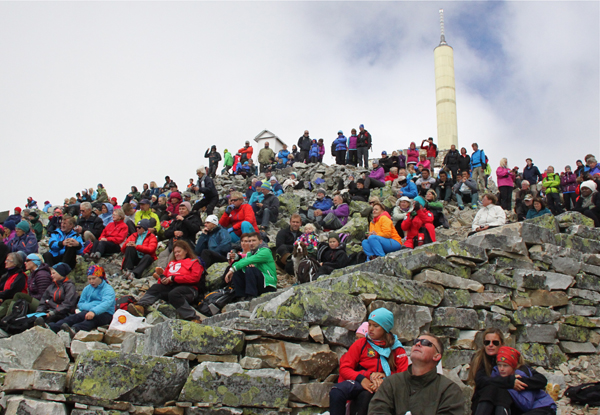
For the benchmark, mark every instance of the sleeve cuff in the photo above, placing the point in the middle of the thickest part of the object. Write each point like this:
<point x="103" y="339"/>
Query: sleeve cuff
<point x="360" y="378"/>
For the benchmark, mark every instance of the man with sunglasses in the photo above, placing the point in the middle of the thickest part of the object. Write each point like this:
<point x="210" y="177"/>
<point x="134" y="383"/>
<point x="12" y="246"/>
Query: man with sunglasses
<point x="420" y="390"/>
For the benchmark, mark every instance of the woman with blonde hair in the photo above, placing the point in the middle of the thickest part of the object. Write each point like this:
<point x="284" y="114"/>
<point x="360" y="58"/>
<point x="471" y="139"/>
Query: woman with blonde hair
<point x="506" y="183"/>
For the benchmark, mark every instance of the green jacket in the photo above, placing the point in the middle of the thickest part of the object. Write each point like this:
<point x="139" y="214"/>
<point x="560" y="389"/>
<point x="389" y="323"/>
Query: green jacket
<point x="262" y="259"/>
<point x="37" y="226"/>
<point x="228" y="159"/>
<point x="552" y="183"/>
<point x="429" y="394"/>
<point x="266" y="156"/>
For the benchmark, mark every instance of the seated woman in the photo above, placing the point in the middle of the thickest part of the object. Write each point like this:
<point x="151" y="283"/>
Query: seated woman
<point x="418" y="219"/>
<point x="173" y="205"/>
<point x="24" y="240"/>
<point x="96" y="305"/>
<point x="179" y="285"/>
<point x="333" y="257"/>
<point x="436" y="208"/>
<point x="133" y="195"/>
<point x="489" y="216"/>
<point x="538" y="209"/>
<point x="366" y="364"/>
<point x="111" y="238"/>
<point x="401" y="211"/>
<point x="588" y="203"/>
<point x="376" y="178"/>
<point x="38" y="281"/>
<point x="382" y="237"/>
<point x="256" y="196"/>
<point x="106" y="213"/>
<point x="184" y="227"/>
<point x="423" y="162"/>
<point x="60" y="298"/>
<point x="139" y="251"/>
<point x="13" y="282"/>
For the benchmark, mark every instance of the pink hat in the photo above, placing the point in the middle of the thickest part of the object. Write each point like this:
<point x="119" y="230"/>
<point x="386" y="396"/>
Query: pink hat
<point x="363" y="329"/>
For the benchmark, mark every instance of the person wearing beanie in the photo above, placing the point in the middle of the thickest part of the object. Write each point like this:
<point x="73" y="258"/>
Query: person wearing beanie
<point x="96" y="305"/>
<point x="588" y="203"/>
<point x="59" y="299"/>
<point x="214" y="242"/>
<point x="362" y="331"/>
<point x="36" y="225"/>
<point x="206" y="186"/>
<point x="15" y="217"/>
<point x="367" y="363"/>
<point x="358" y="191"/>
<point x="322" y="203"/>
<point x="139" y="250"/>
<point x="292" y="183"/>
<point x="39" y="278"/>
<point x="24" y="239"/>
<point x="333" y="257"/>
<point x="333" y="218"/>
<point x="256" y="196"/>
<point x="268" y="210"/>
<point x="9" y="231"/>
<point x="276" y="188"/>
<point x="13" y="282"/>
<point x="184" y="227"/>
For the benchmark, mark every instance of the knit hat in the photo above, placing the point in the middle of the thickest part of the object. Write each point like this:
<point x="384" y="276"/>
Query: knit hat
<point x="97" y="271"/>
<point x="590" y="184"/>
<point x="509" y="356"/>
<point x="151" y="223"/>
<point x="267" y="186"/>
<point x="363" y="329"/>
<point x="334" y="236"/>
<point x="24" y="226"/>
<point x="18" y="209"/>
<point x="10" y="224"/>
<point x="212" y="219"/>
<point x="384" y="318"/>
<point x="188" y="205"/>
<point x="340" y="132"/>
<point x="144" y="223"/>
<point x="361" y="126"/>
<point x="35" y="258"/>
<point x="113" y="199"/>
<point x="294" y="174"/>
<point x="375" y="162"/>
<point x="321" y="191"/>
<point x="63" y="269"/>
<point x="258" y="184"/>
<point x="420" y="200"/>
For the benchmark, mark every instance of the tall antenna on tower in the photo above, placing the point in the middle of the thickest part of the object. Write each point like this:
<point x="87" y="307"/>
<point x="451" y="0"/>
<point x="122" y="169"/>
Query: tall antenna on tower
<point x="442" y="37"/>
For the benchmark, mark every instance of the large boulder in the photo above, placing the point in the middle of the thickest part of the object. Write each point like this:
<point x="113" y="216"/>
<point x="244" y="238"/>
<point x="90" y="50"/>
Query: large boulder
<point x="506" y="238"/>
<point x="314" y="393"/>
<point x="386" y="265"/>
<point x="454" y="248"/>
<point x="228" y="384"/>
<point x="455" y="317"/>
<point x="315" y="305"/>
<point x="587" y="246"/>
<point x="174" y="336"/>
<point x="22" y="405"/>
<point x="568" y="219"/>
<point x="214" y="276"/>
<point x="141" y="380"/>
<point x="409" y="320"/>
<point x="269" y="327"/>
<point x="22" y="379"/>
<point x="415" y="262"/>
<point x="535" y="315"/>
<point x="308" y="359"/>
<point x="36" y="348"/>
<point x="448" y="281"/>
<point x="547" y="221"/>
<point x="356" y="227"/>
<point x="289" y="202"/>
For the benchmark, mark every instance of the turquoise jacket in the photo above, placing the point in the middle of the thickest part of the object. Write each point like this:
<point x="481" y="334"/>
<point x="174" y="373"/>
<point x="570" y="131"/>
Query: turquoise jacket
<point x="98" y="300"/>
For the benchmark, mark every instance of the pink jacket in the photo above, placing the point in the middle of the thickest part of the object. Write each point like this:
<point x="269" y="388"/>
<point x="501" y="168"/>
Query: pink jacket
<point x="412" y="156"/>
<point x="505" y="177"/>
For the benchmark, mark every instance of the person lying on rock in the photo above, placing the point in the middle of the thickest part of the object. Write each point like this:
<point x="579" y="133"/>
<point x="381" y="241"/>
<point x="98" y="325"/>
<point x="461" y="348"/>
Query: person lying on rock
<point x="60" y="298"/>
<point x="180" y="284"/>
<point x="420" y="390"/>
<point x="366" y="364"/>
<point x="256" y="273"/>
<point x="96" y="305"/>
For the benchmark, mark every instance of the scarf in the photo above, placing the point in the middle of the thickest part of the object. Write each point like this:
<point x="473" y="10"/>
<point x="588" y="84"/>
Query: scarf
<point x="587" y="201"/>
<point x="384" y="353"/>
<point x="139" y="241"/>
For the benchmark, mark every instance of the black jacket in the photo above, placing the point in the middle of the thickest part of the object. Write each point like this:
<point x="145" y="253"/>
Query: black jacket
<point x="270" y="201"/>
<point x="363" y="193"/>
<point x="59" y="298"/>
<point x="17" y="286"/>
<point x="190" y="226"/>
<point x="464" y="163"/>
<point x="213" y="158"/>
<point x="304" y="143"/>
<point x="364" y="139"/>
<point x="443" y="185"/>
<point x="452" y="159"/>
<point x="387" y="163"/>
<point x="532" y="174"/>
<point x="334" y="258"/>
<point x="93" y="224"/>
<point x="286" y="237"/>
<point x="206" y="186"/>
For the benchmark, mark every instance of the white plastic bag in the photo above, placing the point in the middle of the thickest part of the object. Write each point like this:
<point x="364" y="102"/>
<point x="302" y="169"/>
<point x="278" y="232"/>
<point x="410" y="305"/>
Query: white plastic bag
<point x="124" y="321"/>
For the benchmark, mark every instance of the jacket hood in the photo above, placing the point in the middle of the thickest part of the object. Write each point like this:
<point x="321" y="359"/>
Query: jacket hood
<point x="110" y="207"/>
<point x="176" y="195"/>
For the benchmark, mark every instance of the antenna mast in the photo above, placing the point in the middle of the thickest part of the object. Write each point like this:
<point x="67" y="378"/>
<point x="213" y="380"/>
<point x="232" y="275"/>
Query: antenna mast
<point x="442" y="37"/>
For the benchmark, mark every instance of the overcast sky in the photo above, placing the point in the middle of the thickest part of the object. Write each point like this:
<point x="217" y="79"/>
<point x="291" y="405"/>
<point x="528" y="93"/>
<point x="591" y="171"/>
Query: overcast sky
<point x="125" y="93"/>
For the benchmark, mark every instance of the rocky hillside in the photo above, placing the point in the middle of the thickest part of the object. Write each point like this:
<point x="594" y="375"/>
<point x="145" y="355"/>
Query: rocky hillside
<point x="538" y="281"/>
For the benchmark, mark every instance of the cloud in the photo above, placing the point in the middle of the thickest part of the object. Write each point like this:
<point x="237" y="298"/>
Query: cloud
<point x="125" y="93"/>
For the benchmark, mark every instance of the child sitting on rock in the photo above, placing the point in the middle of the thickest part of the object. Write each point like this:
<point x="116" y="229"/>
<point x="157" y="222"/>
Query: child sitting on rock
<point x="309" y="238"/>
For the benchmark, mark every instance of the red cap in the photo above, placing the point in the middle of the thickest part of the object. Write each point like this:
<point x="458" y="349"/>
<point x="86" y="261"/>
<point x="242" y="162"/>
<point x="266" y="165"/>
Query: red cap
<point x="114" y="199"/>
<point x="18" y="209"/>
<point x="509" y="356"/>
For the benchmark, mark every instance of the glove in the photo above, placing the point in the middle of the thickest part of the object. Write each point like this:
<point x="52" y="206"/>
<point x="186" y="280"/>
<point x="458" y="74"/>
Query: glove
<point x="229" y="208"/>
<point x="230" y="229"/>
<point x="413" y="213"/>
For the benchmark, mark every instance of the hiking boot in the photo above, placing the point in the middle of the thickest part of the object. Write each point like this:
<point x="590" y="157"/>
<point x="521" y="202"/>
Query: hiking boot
<point x="136" y="310"/>
<point x="474" y="206"/>
<point x="40" y="322"/>
<point x="461" y="207"/>
<point x="72" y="332"/>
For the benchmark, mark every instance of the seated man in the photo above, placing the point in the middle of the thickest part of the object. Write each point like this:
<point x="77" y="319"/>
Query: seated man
<point x="443" y="187"/>
<point x="64" y="244"/>
<point x="213" y="243"/>
<point x="357" y="190"/>
<point x="89" y="225"/>
<point x="465" y="189"/>
<point x="334" y="218"/>
<point x="256" y="273"/>
<point x="139" y="250"/>
<point x="419" y="390"/>
<point x="268" y="209"/>
<point x="523" y="207"/>
<point x="146" y="213"/>
<point x="322" y="203"/>
<point x="425" y="182"/>
<point x="489" y="216"/>
<point x="284" y="243"/>
<point x="206" y="186"/>
<point x="238" y="217"/>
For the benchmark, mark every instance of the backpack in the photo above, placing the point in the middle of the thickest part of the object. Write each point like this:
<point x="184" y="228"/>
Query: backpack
<point x="586" y="393"/>
<point x="357" y="258"/>
<point x="422" y="237"/>
<point x="214" y="302"/>
<point x="333" y="148"/>
<point x="123" y="302"/>
<point x="17" y="321"/>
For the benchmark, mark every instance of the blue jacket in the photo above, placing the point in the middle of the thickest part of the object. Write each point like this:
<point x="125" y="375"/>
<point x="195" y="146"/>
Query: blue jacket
<point x="341" y="143"/>
<point x="532" y="174"/>
<point x="56" y="239"/>
<point x="219" y="240"/>
<point x="314" y="150"/>
<point x="324" y="204"/>
<point x="477" y="159"/>
<point x="528" y="400"/>
<point x="283" y="154"/>
<point x="410" y="190"/>
<point x="256" y="197"/>
<point x="532" y="213"/>
<point x="277" y="189"/>
<point x="98" y="300"/>
<point x="26" y="243"/>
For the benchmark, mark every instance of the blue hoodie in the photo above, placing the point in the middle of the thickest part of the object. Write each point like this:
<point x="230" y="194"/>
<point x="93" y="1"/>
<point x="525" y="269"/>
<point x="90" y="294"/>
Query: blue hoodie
<point x="98" y="300"/>
<point x="528" y="400"/>
<point x="314" y="149"/>
<point x="324" y="204"/>
<point x="107" y="217"/>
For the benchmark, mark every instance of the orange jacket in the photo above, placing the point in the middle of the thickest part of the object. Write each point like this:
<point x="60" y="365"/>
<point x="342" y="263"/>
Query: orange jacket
<point x="384" y="227"/>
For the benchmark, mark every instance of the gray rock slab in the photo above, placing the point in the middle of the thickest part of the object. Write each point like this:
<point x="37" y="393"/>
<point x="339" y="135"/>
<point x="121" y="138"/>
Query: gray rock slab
<point x="409" y="320"/>
<point x="36" y="348"/>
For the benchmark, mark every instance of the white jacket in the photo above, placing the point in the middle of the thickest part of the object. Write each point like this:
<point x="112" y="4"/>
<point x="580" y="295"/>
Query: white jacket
<point x="492" y="215"/>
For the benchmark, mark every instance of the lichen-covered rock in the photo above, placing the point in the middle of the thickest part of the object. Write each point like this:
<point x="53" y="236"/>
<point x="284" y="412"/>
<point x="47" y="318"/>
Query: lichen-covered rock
<point x="534" y="234"/>
<point x="579" y="321"/>
<point x="36" y="348"/>
<point x="457" y="298"/>
<point x="455" y="248"/>
<point x="24" y="379"/>
<point x="573" y="333"/>
<point x="228" y="384"/>
<point x="547" y="221"/>
<point x="21" y="405"/>
<point x="141" y="380"/>
<point x="540" y="333"/>
<point x="499" y="238"/>
<point x="176" y="336"/>
<point x="386" y="265"/>
<point x="453" y="358"/>
<point x="269" y="327"/>
<point x="338" y="336"/>
<point x="588" y="282"/>
<point x="356" y="227"/>
<point x="316" y="394"/>
<point x="315" y="305"/>
<point x="567" y="219"/>
<point x="489" y="319"/>
<point x="487" y="299"/>
<point x="448" y="281"/>
<point x="535" y="315"/>
<point x="289" y="202"/>
<point x="587" y="246"/>
<point x="539" y="280"/>
<point x="416" y="262"/>
<point x="310" y="359"/>
<point x="455" y="317"/>
<point x="409" y="320"/>
<point x="214" y="276"/>
<point x="78" y="347"/>
<point x="386" y="288"/>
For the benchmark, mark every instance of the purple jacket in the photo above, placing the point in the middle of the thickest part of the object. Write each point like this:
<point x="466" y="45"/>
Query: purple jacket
<point x="352" y="142"/>
<point x="322" y="150"/>
<point x="528" y="400"/>
<point x="568" y="182"/>
<point x="378" y="174"/>
<point x="38" y="281"/>
<point x="341" y="211"/>
<point x="505" y="177"/>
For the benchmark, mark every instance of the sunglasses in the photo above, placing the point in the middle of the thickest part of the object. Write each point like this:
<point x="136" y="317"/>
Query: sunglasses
<point x="233" y="200"/>
<point x="426" y="343"/>
<point x="494" y="342"/>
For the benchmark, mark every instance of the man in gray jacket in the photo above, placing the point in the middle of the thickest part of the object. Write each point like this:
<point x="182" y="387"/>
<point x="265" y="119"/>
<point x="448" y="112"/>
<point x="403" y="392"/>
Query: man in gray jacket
<point x="466" y="189"/>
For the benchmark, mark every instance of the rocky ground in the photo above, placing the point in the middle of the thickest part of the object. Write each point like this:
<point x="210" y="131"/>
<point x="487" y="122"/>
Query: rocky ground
<point x="538" y="281"/>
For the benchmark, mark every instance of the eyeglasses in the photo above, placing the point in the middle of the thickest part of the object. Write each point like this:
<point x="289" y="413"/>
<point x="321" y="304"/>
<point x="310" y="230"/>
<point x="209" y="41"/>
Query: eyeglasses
<point x="233" y="200"/>
<point x="494" y="342"/>
<point x="426" y="343"/>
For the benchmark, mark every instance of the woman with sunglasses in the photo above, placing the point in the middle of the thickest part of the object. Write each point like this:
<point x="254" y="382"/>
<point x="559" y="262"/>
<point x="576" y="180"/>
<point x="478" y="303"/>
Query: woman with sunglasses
<point x="366" y="364"/>
<point x="494" y="391"/>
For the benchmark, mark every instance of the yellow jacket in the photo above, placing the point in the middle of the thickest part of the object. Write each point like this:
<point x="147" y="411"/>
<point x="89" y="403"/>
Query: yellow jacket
<point x="384" y="227"/>
<point x="148" y="214"/>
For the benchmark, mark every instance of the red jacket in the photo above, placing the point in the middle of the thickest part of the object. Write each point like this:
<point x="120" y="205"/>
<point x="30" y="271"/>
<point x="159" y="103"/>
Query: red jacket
<point x="361" y="360"/>
<point x="148" y="247"/>
<point x="391" y="177"/>
<point x="187" y="271"/>
<point x="237" y="216"/>
<point x="431" y="149"/>
<point x="115" y="232"/>
<point x="248" y="151"/>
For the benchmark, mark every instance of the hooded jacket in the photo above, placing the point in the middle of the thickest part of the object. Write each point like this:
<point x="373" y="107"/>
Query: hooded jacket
<point x="551" y="183"/>
<point x="26" y="243"/>
<point x="39" y="280"/>
<point x="341" y="211"/>
<point x="412" y="156"/>
<point x="384" y="227"/>
<point x="214" y="157"/>
<point x="314" y="149"/>
<point x="148" y="246"/>
<point x="452" y="158"/>
<point x="56" y="242"/>
<point x="187" y="271"/>
<point x="36" y="225"/>
<point x="261" y="258"/>
<point x="361" y="360"/>
<point x="173" y="209"/>
<point x="333" y="258"/>
<point x="218" y="240"/>
<point x="107" y="217"/>
<point x="340" y="143"/>
<point x="190" y="226"/>
<point x="59" y="297"/>
<point x="228" y="159"/>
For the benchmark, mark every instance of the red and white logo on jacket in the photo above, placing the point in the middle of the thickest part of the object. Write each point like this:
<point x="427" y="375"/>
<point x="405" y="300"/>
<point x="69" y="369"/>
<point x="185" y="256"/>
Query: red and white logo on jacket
<point x="174" y="267"/>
